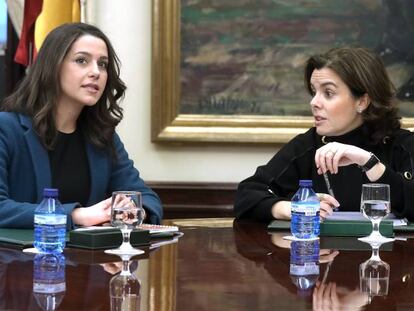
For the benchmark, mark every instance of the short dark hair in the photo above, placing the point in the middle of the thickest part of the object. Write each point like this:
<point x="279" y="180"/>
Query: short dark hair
<point x="364" y="73"/>
<point x="38" y="92"/>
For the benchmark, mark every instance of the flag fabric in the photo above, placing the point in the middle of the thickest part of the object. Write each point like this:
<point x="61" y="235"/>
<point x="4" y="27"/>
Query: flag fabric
<point x="55" y="13"/>
<point x="40" y="17"/>
<point x="32" y="9"/>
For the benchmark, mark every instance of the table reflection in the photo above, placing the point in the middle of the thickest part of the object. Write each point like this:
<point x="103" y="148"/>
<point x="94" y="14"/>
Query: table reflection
<point x="125" y="289"/>
<point x="49" y="284"/>
<point x="374" y="275"/>
<point x="328" y="278"/>
<point x="234" y="266"/>
<point x="304" y="265"/>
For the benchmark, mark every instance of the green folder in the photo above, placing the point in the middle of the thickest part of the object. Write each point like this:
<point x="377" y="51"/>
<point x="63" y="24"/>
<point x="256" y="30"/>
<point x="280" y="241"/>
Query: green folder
<point x="408" y="228"/>
<point x="87" y="239"/>
<point x="16" y="238"/>
<point x="356" y="228"/>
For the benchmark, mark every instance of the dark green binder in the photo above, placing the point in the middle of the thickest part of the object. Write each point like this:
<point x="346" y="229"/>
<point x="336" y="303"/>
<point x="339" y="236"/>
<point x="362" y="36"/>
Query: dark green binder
<point x="88" y="239"/>
<point x="105" y="239"/>
<point x="356" y="228"/>
<point x="408" y="228"/>
<point x="16" y="238"/>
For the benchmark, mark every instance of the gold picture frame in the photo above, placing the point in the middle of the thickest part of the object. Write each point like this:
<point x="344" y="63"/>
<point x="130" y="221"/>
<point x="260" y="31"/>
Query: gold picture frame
<point x="170" y="126"/>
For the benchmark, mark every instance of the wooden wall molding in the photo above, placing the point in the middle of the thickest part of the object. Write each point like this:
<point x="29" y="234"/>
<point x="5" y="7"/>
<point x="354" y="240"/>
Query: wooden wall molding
<point x="195" y="199"/>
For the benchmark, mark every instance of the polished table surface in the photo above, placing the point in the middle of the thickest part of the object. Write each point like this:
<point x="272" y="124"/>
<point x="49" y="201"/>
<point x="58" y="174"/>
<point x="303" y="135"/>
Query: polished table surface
<point x="220" y="264"/>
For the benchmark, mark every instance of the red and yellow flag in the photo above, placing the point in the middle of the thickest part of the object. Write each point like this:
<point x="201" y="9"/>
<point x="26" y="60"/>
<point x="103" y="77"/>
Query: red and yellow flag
<point x="40" y="17"/>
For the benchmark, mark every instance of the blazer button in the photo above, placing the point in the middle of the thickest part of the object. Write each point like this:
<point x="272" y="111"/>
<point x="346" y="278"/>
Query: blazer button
<point x="408" y="175"/>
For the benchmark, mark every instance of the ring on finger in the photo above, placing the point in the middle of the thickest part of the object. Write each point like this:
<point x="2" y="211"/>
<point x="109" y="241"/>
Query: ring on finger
<point x="331" y="153"/>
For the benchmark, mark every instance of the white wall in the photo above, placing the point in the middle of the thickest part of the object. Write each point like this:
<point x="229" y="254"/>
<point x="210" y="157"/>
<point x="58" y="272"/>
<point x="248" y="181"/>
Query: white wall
<point x="128" y="24"/>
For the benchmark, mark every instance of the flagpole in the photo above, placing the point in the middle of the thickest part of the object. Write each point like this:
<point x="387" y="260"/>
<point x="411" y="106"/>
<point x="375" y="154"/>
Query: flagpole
<point x="83" y="18"/>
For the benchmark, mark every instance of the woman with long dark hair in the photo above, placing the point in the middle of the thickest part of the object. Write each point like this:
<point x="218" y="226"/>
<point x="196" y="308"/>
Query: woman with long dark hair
<point x="58" y="130"/>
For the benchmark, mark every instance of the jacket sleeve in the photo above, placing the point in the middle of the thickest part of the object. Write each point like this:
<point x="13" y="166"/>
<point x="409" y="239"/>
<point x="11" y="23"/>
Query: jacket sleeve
<point x="124" y="176"/>
<point x="399" y="175"/>
<point x="276" y="181"/>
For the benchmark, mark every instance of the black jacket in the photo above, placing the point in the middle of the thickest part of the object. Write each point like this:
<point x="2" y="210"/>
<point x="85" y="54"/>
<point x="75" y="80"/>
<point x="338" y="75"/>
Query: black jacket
<point x="278" y="180"/>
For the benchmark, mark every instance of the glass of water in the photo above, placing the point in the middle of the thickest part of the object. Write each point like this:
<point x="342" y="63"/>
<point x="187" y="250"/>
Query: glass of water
<point x="127" y="214"/>
<point x="375" y="205"/>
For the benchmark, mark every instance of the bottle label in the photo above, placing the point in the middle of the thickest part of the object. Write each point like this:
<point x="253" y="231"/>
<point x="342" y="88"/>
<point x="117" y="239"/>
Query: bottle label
<point x="46" y="288"/>
<point x="306" y="209"/>
<point x="307" y="269"/>
<point x="49" y="219"/>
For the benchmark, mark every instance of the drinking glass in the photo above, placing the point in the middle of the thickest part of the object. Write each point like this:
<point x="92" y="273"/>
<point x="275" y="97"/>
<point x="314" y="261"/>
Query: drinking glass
<point x="375" y="205"/>
<point x="124" y="289"/>
<point x="126" y="214"/>
<point x="374" y="275"/>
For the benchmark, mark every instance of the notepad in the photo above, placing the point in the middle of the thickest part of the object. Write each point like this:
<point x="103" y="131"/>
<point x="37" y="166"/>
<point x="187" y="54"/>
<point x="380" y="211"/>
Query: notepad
<point x="154" y="230"/>
<point x="160" y="230"/>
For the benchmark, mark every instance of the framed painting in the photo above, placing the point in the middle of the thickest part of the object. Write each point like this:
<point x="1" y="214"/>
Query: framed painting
<point x="232" y="71"/>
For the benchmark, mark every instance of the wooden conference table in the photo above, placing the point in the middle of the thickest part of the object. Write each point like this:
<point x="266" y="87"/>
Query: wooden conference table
<point x="218" y="264"/>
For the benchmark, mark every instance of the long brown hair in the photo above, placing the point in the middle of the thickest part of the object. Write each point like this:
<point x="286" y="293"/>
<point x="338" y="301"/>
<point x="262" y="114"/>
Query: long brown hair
<point x="364" y="73"/>
<point x="37" y="94"/>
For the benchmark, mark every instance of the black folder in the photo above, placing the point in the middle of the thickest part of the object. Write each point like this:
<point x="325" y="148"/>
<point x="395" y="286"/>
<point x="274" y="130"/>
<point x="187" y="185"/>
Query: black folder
<point x="105" y="239"/>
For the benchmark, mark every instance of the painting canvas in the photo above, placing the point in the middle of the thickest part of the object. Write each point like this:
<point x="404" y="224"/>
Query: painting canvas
<point x="242" y="60"/>
<point x="246" y="56"/>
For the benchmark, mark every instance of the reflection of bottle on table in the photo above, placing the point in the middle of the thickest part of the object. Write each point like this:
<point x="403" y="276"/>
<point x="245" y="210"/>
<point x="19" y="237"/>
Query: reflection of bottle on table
<point x="304" y="265"/>
<point x="49" y="283"/>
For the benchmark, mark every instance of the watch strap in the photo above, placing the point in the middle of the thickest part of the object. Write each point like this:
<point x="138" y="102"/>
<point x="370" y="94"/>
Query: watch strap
<point x="373" y="160"/>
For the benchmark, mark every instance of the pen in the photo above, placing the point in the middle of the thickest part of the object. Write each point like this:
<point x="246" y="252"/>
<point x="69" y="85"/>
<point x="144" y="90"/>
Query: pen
<point x="328" y="186"/>
<point x="325" y="275"/>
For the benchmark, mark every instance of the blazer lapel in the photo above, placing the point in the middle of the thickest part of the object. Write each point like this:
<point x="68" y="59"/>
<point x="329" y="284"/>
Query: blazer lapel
<point x="38" y="153"/>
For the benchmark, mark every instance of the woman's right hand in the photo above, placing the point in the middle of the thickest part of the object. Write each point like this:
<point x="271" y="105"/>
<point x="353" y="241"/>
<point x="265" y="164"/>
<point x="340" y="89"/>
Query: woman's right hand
<point x="282" y="209"/>
<point x="93" y="215"/>
<point x="328" y="203"/>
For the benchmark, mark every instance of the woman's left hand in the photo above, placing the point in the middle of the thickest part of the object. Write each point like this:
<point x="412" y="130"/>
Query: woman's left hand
<point x="333" y="155"/>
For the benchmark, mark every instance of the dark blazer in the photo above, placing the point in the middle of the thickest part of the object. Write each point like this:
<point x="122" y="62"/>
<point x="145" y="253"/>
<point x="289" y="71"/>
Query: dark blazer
<point x="278" y="180"/>
<point x="25" y="171"/>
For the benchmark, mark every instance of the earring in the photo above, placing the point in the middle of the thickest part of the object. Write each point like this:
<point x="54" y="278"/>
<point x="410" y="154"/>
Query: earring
<point x="359" y="110"/>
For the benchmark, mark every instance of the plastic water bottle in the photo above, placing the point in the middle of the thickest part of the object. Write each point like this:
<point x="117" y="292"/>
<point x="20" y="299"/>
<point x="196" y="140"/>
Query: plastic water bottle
<point x="305" y="212"/>
<point x="50" y="224"/>
<point x="304" y="265"/>
<point x="49" y="283"/>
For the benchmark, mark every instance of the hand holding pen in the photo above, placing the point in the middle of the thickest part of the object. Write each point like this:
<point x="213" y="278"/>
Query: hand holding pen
<point x="330" y="191"/>
<point x="328" y="203"/>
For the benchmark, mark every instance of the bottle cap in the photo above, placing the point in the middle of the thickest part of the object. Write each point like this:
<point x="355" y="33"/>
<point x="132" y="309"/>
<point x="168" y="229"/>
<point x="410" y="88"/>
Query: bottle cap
<point x="305" y="182"/>
<point x="50" y="192"/>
